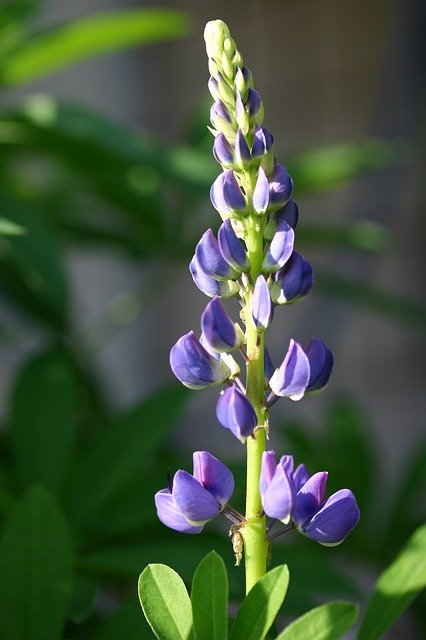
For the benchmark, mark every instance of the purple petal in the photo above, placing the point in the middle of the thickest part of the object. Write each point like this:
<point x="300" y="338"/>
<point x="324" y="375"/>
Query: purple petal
<point x="210" y="286"/>
<point x="226" y="195"/>
<point x="170" y="515"/>
<point x="278" y="499"/>
<point x="262" y="142"/>
<point x="300" y="476"/>
<point x="280" y="248"/>
<point x="287" y="463"/>
<point x="213" y="88"/>
<point x="335" y="520"/>
<point x="321" y="364"/>
<point x="208" y="348"/>
<point x="310" y="498"/>
<point x="280" y="185"/>
<point x="218" y="110"/>
<point x="231" y="247"/>
<point x="267" y="471"/>
<point x="293" y="281"/>
<point x="292" y="377"/>
<point x="194" y="501"/>
<point x="254" y="102"/>
<point x="268" y="365"/>
<point x="214" y="476"/>
<point x="261" y="193"/>
<point x="289" y="213"/>
<point x="261" y="305"/>
<point x="218" y="328"/>
<point x="210" y="259"/>
<point x="223" y="151"/>
<point x="242" y="152"/>
<point x="194" y="366"/>
<point x="235" y="412"/>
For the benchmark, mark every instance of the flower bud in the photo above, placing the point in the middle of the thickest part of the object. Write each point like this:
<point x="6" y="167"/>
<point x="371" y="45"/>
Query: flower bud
<point x="262" y="142"/>
<point x="280" y="248"/>
<point x="219" y="330"/>
<point x="226" y="93"/>
<point x="232" y="249"/>
<point x="226" y="195"/>
<point x="277" y="490"/>
<point x="253" y="103"/>
<point x="292" y="377"/>
<point x="241" y="114"/>
<point x="236" y="413"/>
<point x="293" y="282"/>
<point x="222" y="120"/>
<point x="321" y="365"/>
<point x="213" y="88"/>
<point x="261" y="193"/>
<point x="194" y="366"/>
<point x="215" y="33"/>
<point x="262" y="308"/>
<point x="209" y="285"/>
<point x="280" y="186"/>
<point x="242" y="152"/>
<point x="268" y="365"/>
<point x="210" y="259"/>
<point x="289" y="213"/>
<point x="223" y="151"/>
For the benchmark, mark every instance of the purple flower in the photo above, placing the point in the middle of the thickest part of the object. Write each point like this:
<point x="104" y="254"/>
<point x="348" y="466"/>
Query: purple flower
<point x="289" y="213"/>
<point x="280" y="248"/>
<point x="253" y="103"/>
<point x="277" y="490"/>
<point x="303" y="371"/>
<point x="219" y="111"/>
<point x="236" y="413"/>
<point x="218" y="329"/>
<point x="262" y="142"/>
<point x="210" y="258"/>
<point x="292" y="377"/>
<point x="242" y="152"/>
<point x="281" y="186"/>
<point x="223" y="151"/>
<point x="209" y="285"/>
<point x="293" y="282"/>
<point x="226" y="195"/>
<point x="193" y="500"/>
<point x="326" y="521"/>
<point x="232" y="249"/>
<point x="261" y="193"/>
<point x="262" y="308"/>
<point x="194" y="366"/>
<point x="268" y="365"/>
<point x="321" y="364"/>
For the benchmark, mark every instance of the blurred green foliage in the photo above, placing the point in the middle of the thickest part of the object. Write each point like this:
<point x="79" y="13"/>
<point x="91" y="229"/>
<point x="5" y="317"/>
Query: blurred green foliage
<point x="76" y="482"/>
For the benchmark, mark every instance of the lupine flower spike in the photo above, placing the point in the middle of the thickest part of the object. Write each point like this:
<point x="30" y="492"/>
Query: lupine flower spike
<point x="252" y="259"/>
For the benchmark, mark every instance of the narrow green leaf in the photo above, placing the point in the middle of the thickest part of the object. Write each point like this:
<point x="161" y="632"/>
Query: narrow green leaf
<point x="93" y="35"/>
<point x="122" y="451"/>
<point x="127" y="623"/>
<point x="261" y="605"/>
<point x="209" y="597"/>
<point x="397" y="587"/>
<point x="9" y="228"/>
<point x="43" y="419"/>
<point x="327" y="622"/>
<point x="35" y="570"/>
<point x="165" y="602"/>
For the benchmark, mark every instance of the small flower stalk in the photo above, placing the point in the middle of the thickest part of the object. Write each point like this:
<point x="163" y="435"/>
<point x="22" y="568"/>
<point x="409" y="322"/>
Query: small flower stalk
<point x="251" y="258"/>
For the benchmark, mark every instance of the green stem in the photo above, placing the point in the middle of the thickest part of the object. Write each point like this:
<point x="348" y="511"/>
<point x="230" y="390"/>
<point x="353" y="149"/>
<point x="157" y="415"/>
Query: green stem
<point x="254" y="532"/>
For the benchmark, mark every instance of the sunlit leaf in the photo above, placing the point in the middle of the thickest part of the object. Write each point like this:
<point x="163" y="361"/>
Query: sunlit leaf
<point x="209" y="598"/>
<point x="396" y="588"/>
<point x="93" y="35"/>
<point x="35" y="570"/>
<point x="165" y="602"/>
<point x="327" y="622"/>
<point x="9" y="228"/>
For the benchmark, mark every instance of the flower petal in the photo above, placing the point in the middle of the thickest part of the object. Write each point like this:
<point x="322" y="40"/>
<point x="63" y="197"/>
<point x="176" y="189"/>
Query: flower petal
<point x="235" y="412"/>
<point x="214" y="476"/>
<point x="267" y="471"/>
<point x="292" y="377"/>
<point x="279" y="497"/>
<point x="194" y="501"/>
<point x="309" y="498"/>
<point x="170" y="515"/>
<point x="335" y="520"/>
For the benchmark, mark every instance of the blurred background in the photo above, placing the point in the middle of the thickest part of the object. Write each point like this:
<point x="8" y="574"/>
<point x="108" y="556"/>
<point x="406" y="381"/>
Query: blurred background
<point x="104" y="177"/>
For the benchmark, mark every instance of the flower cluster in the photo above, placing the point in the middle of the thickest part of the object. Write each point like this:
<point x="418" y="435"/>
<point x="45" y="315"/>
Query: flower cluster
<point x="252" y="259"/>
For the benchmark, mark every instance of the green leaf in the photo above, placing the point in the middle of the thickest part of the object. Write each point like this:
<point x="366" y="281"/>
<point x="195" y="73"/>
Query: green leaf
<point x="261" y="605"/>
<point x="127" y="623"/>
<point x="165" y="602"/>
<point x="9" y="228"/>
<point x="327" y="622"/>
<point x="386" y="304"/>
<point x="209" y="597"/>
<point x="45" y="406"/>
<point x="122" y="451"/>
<point x="396" y="588"/>
<point x="97" y="34"/>
<point x="35" y="570"/>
